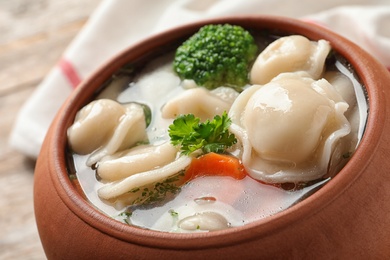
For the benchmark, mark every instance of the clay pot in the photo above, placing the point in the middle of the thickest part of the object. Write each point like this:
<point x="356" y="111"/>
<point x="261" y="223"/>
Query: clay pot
<point x="349" y="216"/>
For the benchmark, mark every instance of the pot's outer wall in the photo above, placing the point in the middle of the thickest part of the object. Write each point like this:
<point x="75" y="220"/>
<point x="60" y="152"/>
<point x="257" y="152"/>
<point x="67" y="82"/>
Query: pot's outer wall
<point x="348" y="217"/>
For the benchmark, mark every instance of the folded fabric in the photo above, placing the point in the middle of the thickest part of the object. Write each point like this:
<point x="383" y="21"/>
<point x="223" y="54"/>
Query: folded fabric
<point x="117" y="24"/>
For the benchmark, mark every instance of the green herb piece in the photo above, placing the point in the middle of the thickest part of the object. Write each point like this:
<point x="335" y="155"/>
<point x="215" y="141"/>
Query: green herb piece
<point x="147" y="113"/>
<point x="159" y="191"/>
<point x="135" y="190"/>
<point x="173" y="213"/>
<point x="72" y="176"/>
<point x="210" y="136"/>
<point x="126" y="216"/>
<point x="347" y="155"/>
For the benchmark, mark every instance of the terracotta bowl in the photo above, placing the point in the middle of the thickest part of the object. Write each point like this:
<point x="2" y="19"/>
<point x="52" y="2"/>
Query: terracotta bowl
<point x="349" y="216"/>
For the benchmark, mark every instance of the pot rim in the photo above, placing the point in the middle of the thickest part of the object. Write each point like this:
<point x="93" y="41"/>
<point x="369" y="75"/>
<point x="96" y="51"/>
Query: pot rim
<point x="303" y="210"/>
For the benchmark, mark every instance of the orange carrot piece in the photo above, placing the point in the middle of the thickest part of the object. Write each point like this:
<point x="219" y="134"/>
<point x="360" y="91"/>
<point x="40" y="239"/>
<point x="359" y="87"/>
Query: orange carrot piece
<point x="215" y="165"/>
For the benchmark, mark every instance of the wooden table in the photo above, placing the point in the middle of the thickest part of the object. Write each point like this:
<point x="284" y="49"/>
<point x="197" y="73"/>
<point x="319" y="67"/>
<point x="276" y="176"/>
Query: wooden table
<point x="33" y="35"/>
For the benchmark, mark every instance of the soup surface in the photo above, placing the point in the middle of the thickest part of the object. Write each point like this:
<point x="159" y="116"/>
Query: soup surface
<point x="296" y="123"/>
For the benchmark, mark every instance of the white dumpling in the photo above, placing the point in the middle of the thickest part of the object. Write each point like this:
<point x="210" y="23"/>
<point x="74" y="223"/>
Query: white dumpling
<point x="290" y="54"/>
<point x="205" y="221"/>
<point x="117" y="188"/>
<point x="104" y="127"/>
<point x="93" y="124"/>
<point x="138" y="159"/>
<point x="289" y="127"/>
<point x="193" y="217"/>
<point x="344" y="87"/>
<point x="200" y="102"/>
<point x="284" y="120"/>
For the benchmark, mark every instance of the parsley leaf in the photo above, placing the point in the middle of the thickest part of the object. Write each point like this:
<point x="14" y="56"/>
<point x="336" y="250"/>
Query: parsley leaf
<point x="210" y="136"/>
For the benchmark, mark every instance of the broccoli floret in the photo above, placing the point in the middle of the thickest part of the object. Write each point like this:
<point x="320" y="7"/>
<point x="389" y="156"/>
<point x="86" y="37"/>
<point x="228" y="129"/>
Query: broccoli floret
<point x="217" y="55"/>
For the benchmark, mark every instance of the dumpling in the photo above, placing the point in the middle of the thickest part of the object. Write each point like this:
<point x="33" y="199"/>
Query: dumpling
<point x="82" y="135"/>
<point x="289" y="127"/>
<point x="200" y="102"/>
<point x="104" y="127"/>
<point x="117" y="188"/>
<point x="194" y="217"/>
<point x="207" y="221"/>
<point x="290" y="54"/>
<point x="138" y="159"/>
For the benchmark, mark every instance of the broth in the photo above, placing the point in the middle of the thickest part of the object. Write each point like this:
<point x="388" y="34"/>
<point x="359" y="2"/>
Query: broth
<point x="239" y="202"/>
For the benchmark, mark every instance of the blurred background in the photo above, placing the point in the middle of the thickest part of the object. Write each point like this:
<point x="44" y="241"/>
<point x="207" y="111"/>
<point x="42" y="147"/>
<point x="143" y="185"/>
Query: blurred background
<point x="33" y="35"/>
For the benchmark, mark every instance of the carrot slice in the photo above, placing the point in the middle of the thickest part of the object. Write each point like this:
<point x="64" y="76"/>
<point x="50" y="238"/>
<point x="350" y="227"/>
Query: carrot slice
<point x="215" y="165"/>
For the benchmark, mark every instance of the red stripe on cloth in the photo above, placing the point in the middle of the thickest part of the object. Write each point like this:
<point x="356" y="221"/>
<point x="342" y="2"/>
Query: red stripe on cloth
<point x="70" y="72"/>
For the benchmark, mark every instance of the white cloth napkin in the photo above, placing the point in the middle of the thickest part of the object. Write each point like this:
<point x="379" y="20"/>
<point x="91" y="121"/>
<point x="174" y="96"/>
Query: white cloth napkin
<point x="116" y="24"/>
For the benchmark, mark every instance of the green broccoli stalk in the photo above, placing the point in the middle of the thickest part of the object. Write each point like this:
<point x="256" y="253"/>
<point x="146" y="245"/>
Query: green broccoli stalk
<point x="217" y="55"/>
